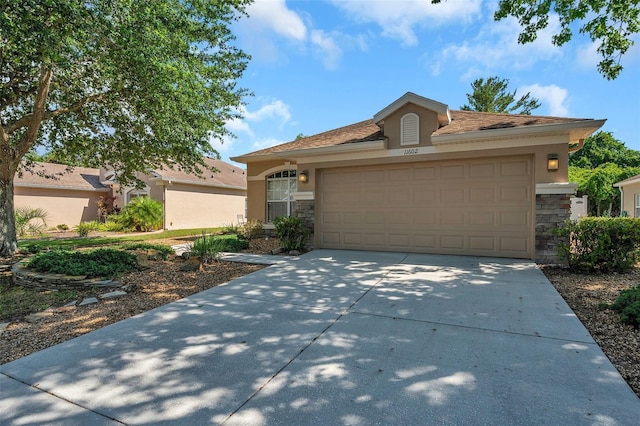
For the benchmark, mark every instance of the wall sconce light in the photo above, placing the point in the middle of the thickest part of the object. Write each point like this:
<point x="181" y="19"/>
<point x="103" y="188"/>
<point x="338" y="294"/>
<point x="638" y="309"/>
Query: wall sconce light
<point x="303" y="177"/>
<point x="552" y="162"/>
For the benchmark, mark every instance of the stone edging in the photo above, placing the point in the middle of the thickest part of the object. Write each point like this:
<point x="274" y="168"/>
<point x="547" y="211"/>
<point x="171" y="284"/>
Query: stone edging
<point x="41" y="280"/>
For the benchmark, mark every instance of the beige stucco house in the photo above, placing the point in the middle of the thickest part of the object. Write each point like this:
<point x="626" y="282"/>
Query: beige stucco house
<point x="190" y="201"/>
<point x="68" y="196"/>
<point x="630" y="196"/>
<point x="420" y="177"/>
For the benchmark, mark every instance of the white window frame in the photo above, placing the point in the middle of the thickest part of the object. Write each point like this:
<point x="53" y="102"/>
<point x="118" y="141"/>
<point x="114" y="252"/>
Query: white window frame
<point x="636" y="206"/>
<point x="403" y="139"/>
<point x="290" y="176"/>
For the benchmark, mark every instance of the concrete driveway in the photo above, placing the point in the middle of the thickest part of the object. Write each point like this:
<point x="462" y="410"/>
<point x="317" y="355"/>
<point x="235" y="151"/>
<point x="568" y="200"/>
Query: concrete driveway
<point x="336" y="337"/>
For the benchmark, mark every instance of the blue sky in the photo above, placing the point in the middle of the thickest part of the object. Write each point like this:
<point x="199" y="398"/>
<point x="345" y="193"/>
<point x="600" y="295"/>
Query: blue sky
<point x="320" y="64"/>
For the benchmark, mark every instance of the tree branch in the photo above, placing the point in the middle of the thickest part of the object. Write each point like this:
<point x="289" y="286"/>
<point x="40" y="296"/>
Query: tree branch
<point x="25" y="120"/>
<point x="39" y="110"/>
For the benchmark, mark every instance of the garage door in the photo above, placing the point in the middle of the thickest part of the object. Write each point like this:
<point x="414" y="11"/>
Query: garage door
<point x="472" y="207"/>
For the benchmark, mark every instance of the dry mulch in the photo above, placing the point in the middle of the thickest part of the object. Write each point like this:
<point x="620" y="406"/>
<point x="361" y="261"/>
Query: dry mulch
<point x="588" y="295"/>
<point x="163" y="283"/>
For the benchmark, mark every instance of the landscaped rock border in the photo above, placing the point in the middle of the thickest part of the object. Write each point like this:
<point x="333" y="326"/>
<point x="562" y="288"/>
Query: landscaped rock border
<point x="27" y="277"/>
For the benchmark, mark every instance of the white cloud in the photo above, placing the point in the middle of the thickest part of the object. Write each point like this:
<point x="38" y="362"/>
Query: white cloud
<point x="266" y="143"/>
<point x="328" y="48"/>
<point x="274" y="15"/>
<point x="398" y="18"/>
<point x="553" y="96"/>
<point x="275" y="110"/>
<point x="496" y="45"/>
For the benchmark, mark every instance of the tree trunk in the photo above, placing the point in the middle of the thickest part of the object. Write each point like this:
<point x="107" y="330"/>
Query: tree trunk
<point x="8" y="240"/>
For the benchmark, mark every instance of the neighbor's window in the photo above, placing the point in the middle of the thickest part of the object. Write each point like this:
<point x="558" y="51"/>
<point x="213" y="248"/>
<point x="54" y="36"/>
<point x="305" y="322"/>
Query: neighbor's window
<point x="637" y="206"/>
<point x="135" y="193"/>
<point x="409" y="129"/>
<point x="280" y="186"/>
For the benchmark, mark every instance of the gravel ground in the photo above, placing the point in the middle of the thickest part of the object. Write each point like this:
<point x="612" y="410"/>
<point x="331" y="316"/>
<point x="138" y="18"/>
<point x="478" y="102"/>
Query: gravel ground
<point x="163" y="283"/>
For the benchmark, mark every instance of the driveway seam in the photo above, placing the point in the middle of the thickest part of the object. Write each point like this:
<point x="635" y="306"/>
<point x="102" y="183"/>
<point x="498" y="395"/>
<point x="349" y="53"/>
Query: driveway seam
<point x="468" y="327"/>
<point x="288" y="363"/>
<point x="61" y="398"/>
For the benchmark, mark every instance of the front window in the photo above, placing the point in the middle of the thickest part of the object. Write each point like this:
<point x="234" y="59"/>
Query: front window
<point x="637" y="206"/>
<point x="280" y="187"/>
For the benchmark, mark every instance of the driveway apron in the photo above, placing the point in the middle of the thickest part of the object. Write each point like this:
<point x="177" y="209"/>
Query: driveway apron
<point x="336" y="337"/>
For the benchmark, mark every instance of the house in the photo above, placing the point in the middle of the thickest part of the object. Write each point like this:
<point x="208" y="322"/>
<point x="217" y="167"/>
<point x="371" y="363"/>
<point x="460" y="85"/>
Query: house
<point x="420" y="177"/>
<point x="190" y="201"/>
<point x="629" y="196"/>
<point x="68" y="196"/>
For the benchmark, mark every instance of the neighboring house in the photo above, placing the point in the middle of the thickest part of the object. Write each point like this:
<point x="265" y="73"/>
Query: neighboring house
<point x="420" y="177"/>
<point x="215" y="199"/>
<point x="69" y="197"/>
<point x="630" y="196"/>
<point x="190" y="201"/>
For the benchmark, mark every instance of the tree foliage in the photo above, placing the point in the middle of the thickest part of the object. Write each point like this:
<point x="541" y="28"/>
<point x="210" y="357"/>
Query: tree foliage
<point x="127" y="84"/>
<point x="491" y="95"/>
<point x="602" y="161"/>
<point x="611" y="23"/>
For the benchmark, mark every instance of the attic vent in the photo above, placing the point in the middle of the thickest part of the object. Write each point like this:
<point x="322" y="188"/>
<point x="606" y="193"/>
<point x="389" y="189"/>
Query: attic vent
<point x="410" y="129"/>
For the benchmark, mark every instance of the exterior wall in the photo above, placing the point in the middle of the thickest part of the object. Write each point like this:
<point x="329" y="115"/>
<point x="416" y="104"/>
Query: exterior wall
<point x="193" y="206"/>
<point x="69" y="207"/>
<point x="628" y="198"/>
<point x="428" y="124"/>
<point x="551" y="212"/>
<point x="256" y="185"/>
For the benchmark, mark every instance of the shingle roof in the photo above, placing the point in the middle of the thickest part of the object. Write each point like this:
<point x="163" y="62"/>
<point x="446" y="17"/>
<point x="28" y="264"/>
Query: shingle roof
<point x="80" y="178"/>
<point x="461" y="122"/>
<point x="227" y="175"/>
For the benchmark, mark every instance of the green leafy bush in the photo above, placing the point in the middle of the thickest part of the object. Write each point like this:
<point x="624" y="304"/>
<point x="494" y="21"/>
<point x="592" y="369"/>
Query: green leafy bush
<point x="251" y="229"/>
<point x="111" y="224"/>
<point x="206" y="247"/>
<point x="84" y="228"/>
<point x="164" y="250"/>
<point x="62" y="227"/>
<point x="30" y="221"/>
<point x="628" y="306"/>
<point x="95" y="263"/>
<point x="293" y="232"/>
<point x="229" y="229"/>
<point x="142" y="214"/>
<point x="599" y="243"/>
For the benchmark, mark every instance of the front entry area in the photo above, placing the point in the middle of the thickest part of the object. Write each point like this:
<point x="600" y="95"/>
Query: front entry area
<point x="483" y="207"/>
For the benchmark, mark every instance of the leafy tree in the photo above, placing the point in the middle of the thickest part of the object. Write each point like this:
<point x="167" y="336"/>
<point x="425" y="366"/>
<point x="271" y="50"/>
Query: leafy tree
<point x="602" y="148"/>
<point x="612" y="23"/>
<point x="597" y="183"/>
<point x="492" y="96"/>
<point x="602" y="161"/>
<point x="126" y="84"/>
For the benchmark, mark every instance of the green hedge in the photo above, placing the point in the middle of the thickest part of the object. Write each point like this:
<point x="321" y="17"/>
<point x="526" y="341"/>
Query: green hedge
<point x="293" y="232"/>
<point x="105" y="263"/>
<point x="601" y="244"/>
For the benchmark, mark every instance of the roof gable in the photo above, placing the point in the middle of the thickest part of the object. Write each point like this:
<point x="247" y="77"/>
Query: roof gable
<point x="227" y="175"/>
<point x="442" y="110"/>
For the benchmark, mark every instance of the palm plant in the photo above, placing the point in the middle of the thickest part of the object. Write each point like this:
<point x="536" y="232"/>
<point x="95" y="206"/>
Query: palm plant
<point x="30" y="221"/>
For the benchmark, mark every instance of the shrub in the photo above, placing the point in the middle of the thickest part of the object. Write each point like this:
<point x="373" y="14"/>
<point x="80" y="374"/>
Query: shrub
<point x="164" y="250"/>
<point x="142" y="214"/>
<point x="62" y="227"/>
<point x="229" y="229"/>
<point x="206" y="248"/>
<point x="96" y="263"/>
<point x="599" y="243"/>
<point x="231" y="243"/>
<point x="30" y="221"/>
<point x="111" y="224"/>
<point x="628" y="306"/>
<point x="84" y="228"/>
<point x="293" y="232"/>
<point x="251" y="229"/>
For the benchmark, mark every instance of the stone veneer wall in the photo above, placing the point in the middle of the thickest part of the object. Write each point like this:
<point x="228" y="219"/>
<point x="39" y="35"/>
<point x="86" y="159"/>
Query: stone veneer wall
<point x="551" y="212"/>
<point x="305" y="209"/>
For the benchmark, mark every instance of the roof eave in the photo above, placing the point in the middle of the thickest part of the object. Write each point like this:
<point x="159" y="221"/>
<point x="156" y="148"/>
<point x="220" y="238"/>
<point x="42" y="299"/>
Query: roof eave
<point x="334" y="149"/>
<point x="193" y="182"/>
<point x="67" y="188"/>
<point x="629" y="181"/>
<point x="577" y="130"/>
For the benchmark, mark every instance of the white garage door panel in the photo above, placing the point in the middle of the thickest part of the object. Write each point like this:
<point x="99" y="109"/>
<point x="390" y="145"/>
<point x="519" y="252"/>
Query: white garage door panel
<point x="477" y="207"/>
